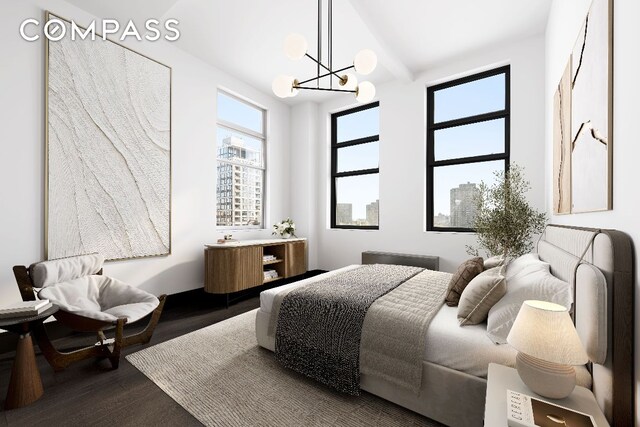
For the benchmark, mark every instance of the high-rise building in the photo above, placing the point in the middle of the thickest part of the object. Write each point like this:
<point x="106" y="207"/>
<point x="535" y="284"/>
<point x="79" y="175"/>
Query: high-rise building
<point x="372" y="213"/>
<point x="441" y="220"/>
<point x="239" y="194"/>
<point x="462" y="204"/>
<point x="344" y="214"/>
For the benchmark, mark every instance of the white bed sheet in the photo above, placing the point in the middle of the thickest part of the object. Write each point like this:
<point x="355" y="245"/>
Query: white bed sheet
<point x="466" y="349"/>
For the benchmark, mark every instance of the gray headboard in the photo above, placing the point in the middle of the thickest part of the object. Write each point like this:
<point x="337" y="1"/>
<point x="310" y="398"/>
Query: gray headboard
<point x="599" y="264"/>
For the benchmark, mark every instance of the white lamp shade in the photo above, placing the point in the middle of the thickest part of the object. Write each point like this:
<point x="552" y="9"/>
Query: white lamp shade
<point x="282" y="86"/>
<point x="351" y="82"/>
<point x="365" y="92"/>
<point x="365" y="61"/>
<point x="295" y="46"/>
<point x="545" y="331"/>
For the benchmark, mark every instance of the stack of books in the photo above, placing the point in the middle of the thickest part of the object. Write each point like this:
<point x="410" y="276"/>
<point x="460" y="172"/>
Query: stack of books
<point x="268" y="258"/>
<point x="25" y="309"/>
<point x="270" y="274"/>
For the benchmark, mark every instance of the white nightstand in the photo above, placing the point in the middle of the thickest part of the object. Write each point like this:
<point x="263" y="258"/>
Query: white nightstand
<point x="501" y="378"/>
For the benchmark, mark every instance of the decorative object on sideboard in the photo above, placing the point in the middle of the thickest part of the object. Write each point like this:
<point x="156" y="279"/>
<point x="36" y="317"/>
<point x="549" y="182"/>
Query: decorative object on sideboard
<point x="505" y="222"/>
<point x="548" y="348"/>
<point x="108" y="153"/>
<point x="296" y="47"/>
<point x="583" y="119"/>
<point x="285" y="228"/>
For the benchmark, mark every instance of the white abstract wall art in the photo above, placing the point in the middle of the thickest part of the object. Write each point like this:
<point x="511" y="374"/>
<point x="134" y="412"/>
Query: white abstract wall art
<point x="583" y="154"/>
<point x="108" y="151"/>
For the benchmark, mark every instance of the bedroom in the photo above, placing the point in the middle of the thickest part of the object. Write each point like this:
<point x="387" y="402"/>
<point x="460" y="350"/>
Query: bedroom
<point x="236" y="48"/>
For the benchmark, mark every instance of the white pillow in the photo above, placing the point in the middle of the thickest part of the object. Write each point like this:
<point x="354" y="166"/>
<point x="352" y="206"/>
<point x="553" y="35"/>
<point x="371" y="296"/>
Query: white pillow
<point x="532" y="281"/>
<point x="527" y="261"/>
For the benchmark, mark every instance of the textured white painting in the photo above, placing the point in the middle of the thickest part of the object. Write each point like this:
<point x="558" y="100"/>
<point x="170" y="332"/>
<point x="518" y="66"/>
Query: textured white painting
<point x="109" y="151"/>
<point x="590" y="113"/>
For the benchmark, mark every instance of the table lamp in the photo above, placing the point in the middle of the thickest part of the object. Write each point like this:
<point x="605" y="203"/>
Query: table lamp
<point x="548" y="348"/>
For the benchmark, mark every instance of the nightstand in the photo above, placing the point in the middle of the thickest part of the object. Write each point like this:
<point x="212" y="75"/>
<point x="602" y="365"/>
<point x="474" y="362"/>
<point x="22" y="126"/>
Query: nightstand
<point x="501" y="378"/>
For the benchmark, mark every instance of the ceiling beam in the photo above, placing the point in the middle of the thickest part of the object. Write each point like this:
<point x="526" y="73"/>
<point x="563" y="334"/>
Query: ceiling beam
<point x="386" y="55"/>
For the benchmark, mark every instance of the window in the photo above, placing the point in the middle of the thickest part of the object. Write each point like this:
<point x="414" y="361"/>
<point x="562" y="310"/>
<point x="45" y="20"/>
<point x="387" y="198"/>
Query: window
<point x="467" y="141"/>
<point x="241" y="163"/>
<point x="354" y="168"/>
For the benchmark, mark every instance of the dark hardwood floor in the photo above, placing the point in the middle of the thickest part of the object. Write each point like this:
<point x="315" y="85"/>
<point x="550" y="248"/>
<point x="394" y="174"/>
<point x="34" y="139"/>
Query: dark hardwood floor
<point x="88" y="393"/>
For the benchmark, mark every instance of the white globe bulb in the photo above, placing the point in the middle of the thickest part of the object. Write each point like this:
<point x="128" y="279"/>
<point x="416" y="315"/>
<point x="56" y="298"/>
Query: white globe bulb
<point x="295" y="46"/>
<point x="349" y="82"/>
<point x="365" y="61"/>
<point x="365" y="92"/>
<point x="282" y="86"/>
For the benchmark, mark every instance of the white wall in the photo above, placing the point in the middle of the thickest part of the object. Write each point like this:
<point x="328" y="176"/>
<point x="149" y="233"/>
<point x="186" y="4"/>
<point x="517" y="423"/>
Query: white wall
<point x="403" y="158"/>
<point x="193" y="156"/>
<point x="565" y="20"/>
<point x="304" y="170"/>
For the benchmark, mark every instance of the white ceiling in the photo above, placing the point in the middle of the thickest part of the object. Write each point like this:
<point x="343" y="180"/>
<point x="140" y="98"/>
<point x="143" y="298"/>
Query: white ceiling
<point x="245" y="37"/>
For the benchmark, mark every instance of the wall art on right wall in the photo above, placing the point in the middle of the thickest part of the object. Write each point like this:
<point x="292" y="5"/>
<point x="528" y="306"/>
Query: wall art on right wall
<point x="583" y="143"/>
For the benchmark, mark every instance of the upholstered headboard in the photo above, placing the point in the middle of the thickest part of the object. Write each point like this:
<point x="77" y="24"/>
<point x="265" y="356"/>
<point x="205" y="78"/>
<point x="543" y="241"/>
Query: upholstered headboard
<point x="599" y="264"/>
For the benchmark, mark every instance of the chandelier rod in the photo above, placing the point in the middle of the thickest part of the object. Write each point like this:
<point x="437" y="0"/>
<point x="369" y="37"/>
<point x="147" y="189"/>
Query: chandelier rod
<point x="325" y="89"/>
<point x="327" y="74"/>
<point x="320" y="64"/>
<point x="330" y="42"/>
<point x="319" y="61"/>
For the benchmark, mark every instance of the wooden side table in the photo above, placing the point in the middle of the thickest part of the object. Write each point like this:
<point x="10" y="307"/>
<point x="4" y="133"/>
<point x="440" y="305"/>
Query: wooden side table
<point x="502" y="378"/>
<point x="25" y="386"/>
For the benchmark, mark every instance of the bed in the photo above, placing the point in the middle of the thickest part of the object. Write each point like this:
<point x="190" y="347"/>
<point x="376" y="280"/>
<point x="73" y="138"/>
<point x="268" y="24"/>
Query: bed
<point x="597" y="263"/>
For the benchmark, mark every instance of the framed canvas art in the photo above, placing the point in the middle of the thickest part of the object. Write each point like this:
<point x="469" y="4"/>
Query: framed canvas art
<point x="583" y="118"/>
<point x="108" y="150"/>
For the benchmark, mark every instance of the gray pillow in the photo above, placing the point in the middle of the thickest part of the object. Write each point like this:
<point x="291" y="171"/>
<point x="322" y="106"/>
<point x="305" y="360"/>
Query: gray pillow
<point x="480" y="295"/>
<point x="532" y="283"/>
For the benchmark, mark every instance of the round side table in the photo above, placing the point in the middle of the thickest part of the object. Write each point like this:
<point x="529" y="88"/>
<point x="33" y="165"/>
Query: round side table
<point x="25" y="386"/>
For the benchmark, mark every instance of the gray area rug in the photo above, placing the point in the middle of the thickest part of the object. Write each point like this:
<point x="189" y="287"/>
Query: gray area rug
<point x="222" y="377"/>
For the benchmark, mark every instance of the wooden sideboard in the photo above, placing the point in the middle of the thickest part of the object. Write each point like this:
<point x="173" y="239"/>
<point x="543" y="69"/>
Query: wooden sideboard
<point x="236" y="266"/>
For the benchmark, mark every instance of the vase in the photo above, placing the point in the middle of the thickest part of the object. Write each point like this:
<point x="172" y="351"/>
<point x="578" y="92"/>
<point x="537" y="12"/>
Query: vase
<point x="285" y="235"/>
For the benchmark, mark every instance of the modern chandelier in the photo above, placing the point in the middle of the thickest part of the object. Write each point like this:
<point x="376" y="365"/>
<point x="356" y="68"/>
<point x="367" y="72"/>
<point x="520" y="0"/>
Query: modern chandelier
<point x="296" y="48"/>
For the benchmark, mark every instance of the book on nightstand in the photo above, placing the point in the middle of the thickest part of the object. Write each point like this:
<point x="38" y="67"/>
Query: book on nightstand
<point x="527" y="411"/>
<point x="24" y="309"/>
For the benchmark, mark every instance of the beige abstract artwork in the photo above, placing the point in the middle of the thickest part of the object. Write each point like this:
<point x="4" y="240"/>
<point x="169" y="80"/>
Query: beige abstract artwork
<point x="582" y="119"/>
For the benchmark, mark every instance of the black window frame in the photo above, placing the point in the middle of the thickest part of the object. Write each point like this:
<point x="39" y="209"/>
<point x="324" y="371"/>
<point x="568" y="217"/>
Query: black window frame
<point x="335" y="145"/>
<point x="478" y="118"/>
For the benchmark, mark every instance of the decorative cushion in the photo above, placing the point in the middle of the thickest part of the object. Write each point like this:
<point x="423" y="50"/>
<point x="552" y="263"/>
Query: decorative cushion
<point x="101" y="298"/>
<point x="532" y="282"/>
<point x="493" y="262"/>
<point x="461" y="278"/>
<point x="480" y="295"/>
<point x="527" y="262"/>
<point x="47" y="273"/>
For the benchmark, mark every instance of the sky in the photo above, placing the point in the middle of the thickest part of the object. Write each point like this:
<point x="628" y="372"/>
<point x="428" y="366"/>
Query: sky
<point x="476" y="97"/>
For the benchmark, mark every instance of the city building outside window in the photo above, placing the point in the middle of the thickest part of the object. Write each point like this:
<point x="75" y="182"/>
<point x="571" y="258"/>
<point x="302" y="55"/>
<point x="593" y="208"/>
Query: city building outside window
<point x="240" y="163"/>
<point x="467" y="141"/>
<point x="354" y="168"/>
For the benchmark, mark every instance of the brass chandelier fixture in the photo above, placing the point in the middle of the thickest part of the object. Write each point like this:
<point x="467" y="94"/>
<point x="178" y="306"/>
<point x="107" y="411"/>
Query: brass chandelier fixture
<point x="296" y="48"/>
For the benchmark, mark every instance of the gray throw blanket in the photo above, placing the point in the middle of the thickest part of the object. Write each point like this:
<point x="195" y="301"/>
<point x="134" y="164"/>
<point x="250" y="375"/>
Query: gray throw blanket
<point x="394" y="333"/>
<point x="320" y="325"/>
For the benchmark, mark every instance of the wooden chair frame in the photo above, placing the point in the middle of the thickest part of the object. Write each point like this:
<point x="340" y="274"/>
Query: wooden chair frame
<point x="104" y="348"/>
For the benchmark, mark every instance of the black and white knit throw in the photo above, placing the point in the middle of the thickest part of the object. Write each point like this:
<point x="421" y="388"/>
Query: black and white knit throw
<point x="320" y="324"/>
